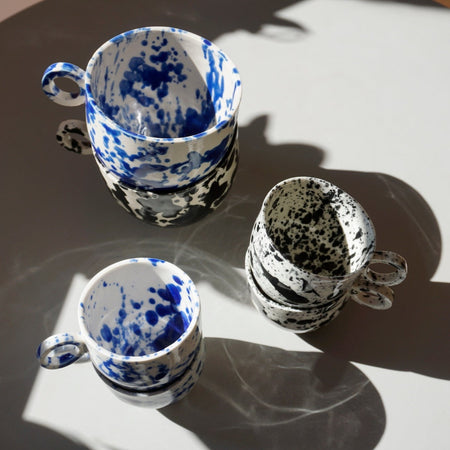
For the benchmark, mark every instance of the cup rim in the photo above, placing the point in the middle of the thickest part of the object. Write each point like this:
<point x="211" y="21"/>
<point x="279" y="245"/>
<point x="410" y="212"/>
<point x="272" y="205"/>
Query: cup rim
<point x="150" y="139"/>
<point x="299" y="269"/>
<point x="150" y="356"/>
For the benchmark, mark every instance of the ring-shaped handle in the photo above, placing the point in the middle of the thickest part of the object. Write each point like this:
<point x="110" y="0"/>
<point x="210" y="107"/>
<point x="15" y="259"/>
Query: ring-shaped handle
<point x="60" y="350"/>
<point x="54" y="93"/>
<point x="397" y="262"/>
<point x="72" y="134"/>
<point x="373" y="295"/>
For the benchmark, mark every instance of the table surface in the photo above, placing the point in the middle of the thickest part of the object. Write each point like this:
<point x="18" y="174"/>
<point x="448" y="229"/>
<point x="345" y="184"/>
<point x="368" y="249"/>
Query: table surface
<point x="356" y="92"/>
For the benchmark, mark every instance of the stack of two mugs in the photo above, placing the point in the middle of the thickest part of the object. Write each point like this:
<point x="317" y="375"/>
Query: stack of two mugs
<point x="161" y="118"/>
<point x="310" y="251"/>
<point x="140" y="326"/>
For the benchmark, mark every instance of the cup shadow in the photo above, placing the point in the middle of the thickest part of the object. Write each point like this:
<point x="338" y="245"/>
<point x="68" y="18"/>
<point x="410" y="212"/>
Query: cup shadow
<point x="411" y="336"/>
<point x="56" y="204"/>
<point x="31" y="293"/>
<point x="256" y="396"/>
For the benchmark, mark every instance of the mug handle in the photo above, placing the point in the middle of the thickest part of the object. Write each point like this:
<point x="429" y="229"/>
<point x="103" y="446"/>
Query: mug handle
<point x="54" y="93"/>
<point x="60" y="350"/>
<point x="373" y="295"/>
<point x="371" y="288"/>
<point x="397" y="262"/>
<point x="72" y="134"/>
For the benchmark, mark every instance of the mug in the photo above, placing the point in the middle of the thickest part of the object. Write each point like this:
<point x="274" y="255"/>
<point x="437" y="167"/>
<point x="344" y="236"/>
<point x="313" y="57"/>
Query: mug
<point x="139" y="323"/>
<point x="175" y="208"/>
<point x="313" y="243"/>
<point x="161" y="105"/>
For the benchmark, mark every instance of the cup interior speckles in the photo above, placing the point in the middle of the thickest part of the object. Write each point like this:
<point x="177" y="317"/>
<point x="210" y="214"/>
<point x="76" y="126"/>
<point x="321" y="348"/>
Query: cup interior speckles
<point x="312" y="238"/>
<point x="161" y="105"/>
<point x="318" y="227"/>
<point x="139" y="321"/>
<point x="135" y="310"/>
<point x="159" y="82"/>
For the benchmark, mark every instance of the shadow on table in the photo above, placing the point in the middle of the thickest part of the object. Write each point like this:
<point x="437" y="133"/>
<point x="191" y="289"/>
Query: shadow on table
<point x="254" y="396"/>
<point x="413" y="334"/>
<point x="61" y="213"/>
<point x="403" y="338"/>
<point x="43" y="185"/>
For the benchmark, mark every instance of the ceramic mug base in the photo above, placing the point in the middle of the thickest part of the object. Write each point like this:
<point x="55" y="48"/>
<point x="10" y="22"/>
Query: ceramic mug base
<point x="287" y="317"/>
<point x="181" y="207"/>
<point x="157" y="398"/>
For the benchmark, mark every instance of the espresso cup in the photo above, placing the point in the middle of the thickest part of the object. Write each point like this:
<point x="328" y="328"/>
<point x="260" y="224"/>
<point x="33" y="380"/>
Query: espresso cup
<point x="139" y="322"/>
<point x="161" y="105"/>
<point x="312" y="243"/>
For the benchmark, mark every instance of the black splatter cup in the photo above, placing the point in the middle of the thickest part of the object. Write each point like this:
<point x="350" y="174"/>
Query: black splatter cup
<point x="312" y="243"/>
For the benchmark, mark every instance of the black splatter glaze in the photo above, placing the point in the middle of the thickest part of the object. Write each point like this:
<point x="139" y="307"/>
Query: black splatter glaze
<point x="291" y="318"/>
<point x="72" y="134"/>
<point x="284" y="290"/>
<point x="290" y="297"/>
<point x="310" y="233"/>
<point x="181" y="207"/>
<point x="305" y="227"/>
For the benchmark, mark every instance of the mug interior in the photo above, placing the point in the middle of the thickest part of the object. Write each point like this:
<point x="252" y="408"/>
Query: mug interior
<point x="318" y="227"/>
<point x="163" y="83"/>
<point x="139" y="307"/>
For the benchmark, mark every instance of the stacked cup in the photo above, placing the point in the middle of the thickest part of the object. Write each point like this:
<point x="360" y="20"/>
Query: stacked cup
<point x="140" y="326"/>
<point x="310" y="251"/>
<point x="161" y="113"/>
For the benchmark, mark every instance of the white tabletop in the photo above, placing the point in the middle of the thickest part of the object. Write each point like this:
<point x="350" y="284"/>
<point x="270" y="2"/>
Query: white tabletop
<point x="354" y="91"/>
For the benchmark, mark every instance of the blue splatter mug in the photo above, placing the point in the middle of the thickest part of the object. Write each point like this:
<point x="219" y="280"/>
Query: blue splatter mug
<point x="139" y="324"/>
<point x="161" y="105"/>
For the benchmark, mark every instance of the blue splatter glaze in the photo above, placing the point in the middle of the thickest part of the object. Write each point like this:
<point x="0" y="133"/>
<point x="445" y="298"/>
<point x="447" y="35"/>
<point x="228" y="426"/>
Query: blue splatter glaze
<point x="164" y="310"/>
<point x="170" y="293"/>
<point x="154" y="87"/>
<point x="66" y="359"/>
<point x="175" y="327"/>
<point x="171" y="86"/>
<point x="178" y="280"/>
<point x="144" y="327"/>
<point x="136" y="305"/>
<point x="158" y="74"/>
<point x="152" y="317"/>
<point x="106" y="333"/>
<point x="109" y="110"/>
